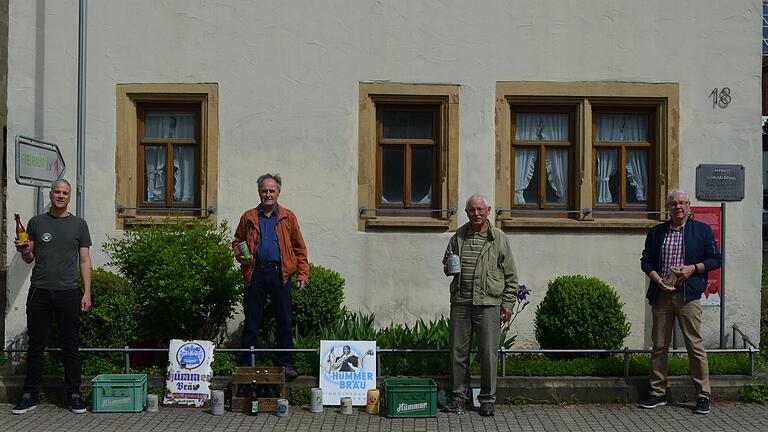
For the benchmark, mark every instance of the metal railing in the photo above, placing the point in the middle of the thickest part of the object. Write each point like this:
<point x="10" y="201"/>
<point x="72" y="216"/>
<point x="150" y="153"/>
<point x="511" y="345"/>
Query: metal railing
<point x="749" y="348"/>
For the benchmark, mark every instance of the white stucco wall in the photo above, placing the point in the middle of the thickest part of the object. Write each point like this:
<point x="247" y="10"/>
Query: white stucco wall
<point x="288" y="75"/>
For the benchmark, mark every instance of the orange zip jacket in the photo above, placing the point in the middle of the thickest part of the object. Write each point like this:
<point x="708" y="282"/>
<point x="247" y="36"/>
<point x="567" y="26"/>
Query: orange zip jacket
<point x="293" y="251"/>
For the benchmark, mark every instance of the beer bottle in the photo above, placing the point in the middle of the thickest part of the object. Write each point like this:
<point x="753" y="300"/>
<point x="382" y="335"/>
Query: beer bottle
<point x="254" y="410"/>
<point x="21" y="233"/>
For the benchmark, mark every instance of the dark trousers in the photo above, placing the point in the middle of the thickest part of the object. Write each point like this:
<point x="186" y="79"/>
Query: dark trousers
<point x="65" y="306"/>
<point x="268" y="282"/>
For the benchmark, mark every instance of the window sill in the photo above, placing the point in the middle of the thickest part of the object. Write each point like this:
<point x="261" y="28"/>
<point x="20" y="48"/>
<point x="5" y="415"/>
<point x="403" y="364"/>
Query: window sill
<point x="406" y="222"/>
<point x="559" y="223"/>
<point x="129" y="222"/>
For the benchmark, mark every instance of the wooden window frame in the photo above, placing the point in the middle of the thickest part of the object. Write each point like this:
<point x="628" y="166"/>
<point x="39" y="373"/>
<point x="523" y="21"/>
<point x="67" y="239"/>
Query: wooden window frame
<point x="541" y="146"/>
<point x="407" y="144"/>
<point x="662" y="99"/>
<point x="622" y="147"/>
<point x="129" y="172"/>
<point x="372" y="97"/>
<point x="148" y="207"/>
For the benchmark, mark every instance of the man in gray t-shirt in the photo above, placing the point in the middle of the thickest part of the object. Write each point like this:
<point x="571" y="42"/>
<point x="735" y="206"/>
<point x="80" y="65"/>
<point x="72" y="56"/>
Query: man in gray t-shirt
<point x="58" y="244"/>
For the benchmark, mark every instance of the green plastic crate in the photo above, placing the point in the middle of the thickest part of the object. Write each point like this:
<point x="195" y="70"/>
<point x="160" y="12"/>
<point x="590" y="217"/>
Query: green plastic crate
<point x="119" y="392"/>
<point x="410" y="397"/>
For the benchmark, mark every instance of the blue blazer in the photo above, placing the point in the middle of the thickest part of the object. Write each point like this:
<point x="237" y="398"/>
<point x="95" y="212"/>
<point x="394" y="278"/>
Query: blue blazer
<point x="700" y="247"/>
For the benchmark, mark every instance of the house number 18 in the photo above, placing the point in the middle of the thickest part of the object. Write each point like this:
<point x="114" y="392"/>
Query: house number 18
<point x="721" y="99"/>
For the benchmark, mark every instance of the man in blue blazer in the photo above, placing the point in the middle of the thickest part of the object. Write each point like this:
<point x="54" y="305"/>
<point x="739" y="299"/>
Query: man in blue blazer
<point x="677" y="256"/>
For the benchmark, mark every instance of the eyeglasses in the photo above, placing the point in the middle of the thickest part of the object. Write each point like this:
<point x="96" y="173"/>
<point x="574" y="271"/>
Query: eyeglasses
<point x="678" y="203"/>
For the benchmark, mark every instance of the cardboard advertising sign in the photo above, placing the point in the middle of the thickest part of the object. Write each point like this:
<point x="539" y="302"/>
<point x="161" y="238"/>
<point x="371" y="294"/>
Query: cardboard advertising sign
<point x="347" y="369"/>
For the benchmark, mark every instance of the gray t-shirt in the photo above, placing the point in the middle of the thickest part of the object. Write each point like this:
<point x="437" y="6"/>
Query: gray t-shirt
<point x="57" y="250"/>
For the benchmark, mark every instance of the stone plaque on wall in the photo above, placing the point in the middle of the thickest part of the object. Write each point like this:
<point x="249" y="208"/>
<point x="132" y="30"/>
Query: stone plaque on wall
<point x="717" y="182"/>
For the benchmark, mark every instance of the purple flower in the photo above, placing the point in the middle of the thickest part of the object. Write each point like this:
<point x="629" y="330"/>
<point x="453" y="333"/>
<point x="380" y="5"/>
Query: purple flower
<point x="522" y="292"/>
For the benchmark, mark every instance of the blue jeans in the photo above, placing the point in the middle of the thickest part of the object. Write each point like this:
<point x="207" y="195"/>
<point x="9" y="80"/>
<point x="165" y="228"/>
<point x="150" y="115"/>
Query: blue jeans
<point x="268" y="282"/>
<point x="65" y="306"/>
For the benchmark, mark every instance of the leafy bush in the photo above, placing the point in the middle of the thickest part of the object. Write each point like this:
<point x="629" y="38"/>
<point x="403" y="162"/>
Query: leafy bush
<point x="580" y="312"/>
<point x="432" y="335"/>
<point x="95" y="364"/>
<point x="112" y="322"/>
<point x="299" y="396"/>
<point x="639" y="365"/>
<point x="184" y="278"/>
<point x="764" y="315"/>
<point x="224" y="363"/>
<point x="754" y="393"/>
<point x="320" y="302"/>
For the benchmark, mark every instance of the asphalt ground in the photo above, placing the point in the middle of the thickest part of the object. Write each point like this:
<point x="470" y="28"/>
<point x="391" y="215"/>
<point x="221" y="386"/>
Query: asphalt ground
<point x="725" y="416"/>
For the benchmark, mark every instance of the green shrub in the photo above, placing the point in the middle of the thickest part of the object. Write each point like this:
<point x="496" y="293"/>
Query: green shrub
<point x="764" y="315"/>
<point x="184" y="277"/>
<point x="299" y="396"/>
<point x="350" y="326"/>
<point x="111" y="322"/>
<point x="580" y="312"/>
<point x="754" y="393"/>
<point x="224" y="363"/>
<point x="306" y="363"/>
<point x="320" y="302"/>
<point x="431" y="335"/>
<point x="95" y="364"/>
<point x="639" y="365"/>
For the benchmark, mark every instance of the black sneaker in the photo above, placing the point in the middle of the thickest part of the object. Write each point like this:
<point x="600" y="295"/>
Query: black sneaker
<point x="702" y="406"/>
<point x="76" y="404"/>
<point x="455" y="406"/>
<point x="653" y="402"/>
<point x="27" y="403"/>
<point x="486" y="409"/>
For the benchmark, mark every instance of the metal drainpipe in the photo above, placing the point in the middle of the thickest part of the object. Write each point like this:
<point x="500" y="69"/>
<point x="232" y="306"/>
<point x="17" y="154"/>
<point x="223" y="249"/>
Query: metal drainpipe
<point x="81" y="56"/>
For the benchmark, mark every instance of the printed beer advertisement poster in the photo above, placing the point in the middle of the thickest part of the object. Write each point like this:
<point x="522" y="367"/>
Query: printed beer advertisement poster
<point x="347" y="369"/>
<point x="711" y="217"/>
<point x="189" y="373"/>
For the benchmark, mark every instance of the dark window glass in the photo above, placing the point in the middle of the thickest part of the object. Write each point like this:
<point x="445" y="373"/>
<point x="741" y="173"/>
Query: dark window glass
<point x="392" y="174"/>
<point x="421" y="175"/>
<point x="407" y="124"/>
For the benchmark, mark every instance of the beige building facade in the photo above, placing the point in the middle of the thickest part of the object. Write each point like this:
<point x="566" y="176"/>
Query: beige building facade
<point x="383" y="117"/>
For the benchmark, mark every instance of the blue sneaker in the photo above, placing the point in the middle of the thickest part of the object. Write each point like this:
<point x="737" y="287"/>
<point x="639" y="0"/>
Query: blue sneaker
<point x="702" y="406"/>
<point x="653" y="402"/>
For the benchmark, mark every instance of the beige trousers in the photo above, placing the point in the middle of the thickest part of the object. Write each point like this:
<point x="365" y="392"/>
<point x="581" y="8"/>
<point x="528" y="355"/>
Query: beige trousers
<point x="665" y="309"/>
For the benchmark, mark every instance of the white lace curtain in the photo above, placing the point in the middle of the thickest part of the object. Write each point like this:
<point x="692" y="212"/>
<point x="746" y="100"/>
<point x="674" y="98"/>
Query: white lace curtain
<point x="622" y="128"/>
<point x="165" y="124"/>
<point x="637" y="172"/>
<point x="525" y="166"/>
<point x="607" y="163"/>
<point x="557" y="173"/>
<point x="541" y="127"/>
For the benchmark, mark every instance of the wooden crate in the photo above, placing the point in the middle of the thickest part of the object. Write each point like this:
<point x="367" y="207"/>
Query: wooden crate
<point x="241" y="384"/>
<point x="243" y="405"/>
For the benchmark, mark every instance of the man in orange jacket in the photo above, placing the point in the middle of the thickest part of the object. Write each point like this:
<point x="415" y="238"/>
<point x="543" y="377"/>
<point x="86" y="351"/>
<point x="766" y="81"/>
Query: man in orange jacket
<point x="277" y="251"/>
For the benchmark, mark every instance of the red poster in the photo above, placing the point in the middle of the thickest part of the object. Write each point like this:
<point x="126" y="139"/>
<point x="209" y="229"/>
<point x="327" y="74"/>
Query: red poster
<point x="711" y="217"/>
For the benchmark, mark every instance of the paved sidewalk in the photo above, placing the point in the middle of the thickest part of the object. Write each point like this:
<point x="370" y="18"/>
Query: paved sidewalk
<point x="725" y="416"/>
